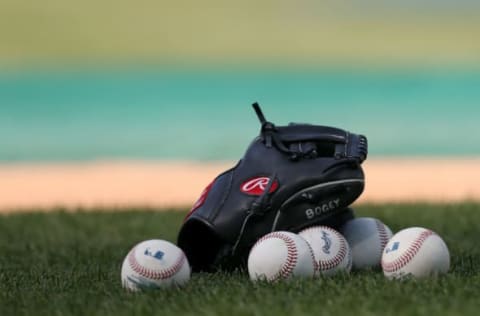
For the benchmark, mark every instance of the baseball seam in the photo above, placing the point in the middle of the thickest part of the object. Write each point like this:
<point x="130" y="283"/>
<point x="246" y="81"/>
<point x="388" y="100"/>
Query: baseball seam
<point x="312" y="257"/>
<point x="292" y="255"/>
<point x="155" y="274"/>
<point x="408" y="255"/>
<point x="382" y="234"/>
<point x="324" y="265"/>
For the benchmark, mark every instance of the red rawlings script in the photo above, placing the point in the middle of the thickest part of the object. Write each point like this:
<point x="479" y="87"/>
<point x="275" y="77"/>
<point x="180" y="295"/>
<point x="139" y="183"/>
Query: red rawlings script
<point x="258" y="185"/>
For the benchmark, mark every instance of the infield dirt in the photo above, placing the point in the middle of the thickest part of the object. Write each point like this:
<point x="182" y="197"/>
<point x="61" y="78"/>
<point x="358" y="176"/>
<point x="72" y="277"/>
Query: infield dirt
<point x="24" y="187"/>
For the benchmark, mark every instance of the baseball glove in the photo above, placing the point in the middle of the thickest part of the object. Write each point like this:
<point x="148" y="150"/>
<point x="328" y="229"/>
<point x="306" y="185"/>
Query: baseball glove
<point x="290" y="177"/>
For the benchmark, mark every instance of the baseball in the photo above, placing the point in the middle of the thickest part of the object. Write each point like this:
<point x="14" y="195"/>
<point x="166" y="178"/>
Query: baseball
<point x="330" y="250"/>
<point x="154" y="264"/>
<point x="280" y="255"/>
<point x="417" y="252"/>
<point x="367" y="238"/>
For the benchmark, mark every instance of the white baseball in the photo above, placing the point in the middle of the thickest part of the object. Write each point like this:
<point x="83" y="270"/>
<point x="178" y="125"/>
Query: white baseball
<point x="415" y="251"/>
<point x="367" y="238"/>
<point x="330" y="249"/>
<point x="154" y="264"/>
<point x="280" y="255"/>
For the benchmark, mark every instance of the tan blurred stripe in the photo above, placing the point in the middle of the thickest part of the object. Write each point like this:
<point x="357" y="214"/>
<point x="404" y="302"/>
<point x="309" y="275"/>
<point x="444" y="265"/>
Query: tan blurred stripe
<point x="107" y="184"/>
<point x="178" y="184"/>
<point x="433" y="180"/>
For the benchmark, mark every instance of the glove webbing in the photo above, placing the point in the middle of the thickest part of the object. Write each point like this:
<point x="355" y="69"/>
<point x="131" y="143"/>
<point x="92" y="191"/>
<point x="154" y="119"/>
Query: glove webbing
<point x="347" y="146"/>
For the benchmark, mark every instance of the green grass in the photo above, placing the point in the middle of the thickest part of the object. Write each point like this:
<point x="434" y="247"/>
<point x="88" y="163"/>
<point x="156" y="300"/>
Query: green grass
<point x="69" y="264"/>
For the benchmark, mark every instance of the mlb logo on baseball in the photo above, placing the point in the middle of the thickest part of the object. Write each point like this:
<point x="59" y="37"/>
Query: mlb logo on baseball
<point x="157" y="254"/>
<point x="393" y="248"/>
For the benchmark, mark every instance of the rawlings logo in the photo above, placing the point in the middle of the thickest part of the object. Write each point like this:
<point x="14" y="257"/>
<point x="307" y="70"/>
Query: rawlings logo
<point x="328" y="242"/>
<point x="258" y="185"/>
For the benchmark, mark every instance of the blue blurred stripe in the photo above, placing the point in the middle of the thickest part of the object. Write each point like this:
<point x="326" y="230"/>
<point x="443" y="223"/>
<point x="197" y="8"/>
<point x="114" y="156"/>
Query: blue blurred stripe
<point x="167" y="113"/>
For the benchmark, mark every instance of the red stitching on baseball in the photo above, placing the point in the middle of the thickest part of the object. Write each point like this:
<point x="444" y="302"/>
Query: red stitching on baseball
<point x="382" y="234"/>
<point x="313" y="257"/>
<point x="323" y="265"/>
<point x="292" y="255"/>
<point x="408" y="255"/>
<point x="155" y="274"/>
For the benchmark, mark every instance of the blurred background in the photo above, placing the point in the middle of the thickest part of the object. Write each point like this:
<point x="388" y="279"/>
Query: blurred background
<point x="173" y="80"/>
